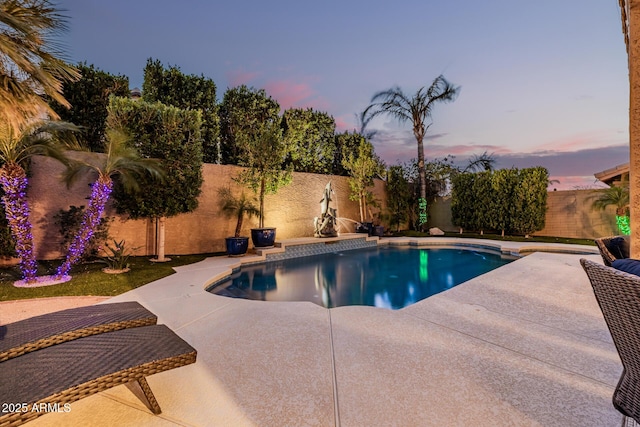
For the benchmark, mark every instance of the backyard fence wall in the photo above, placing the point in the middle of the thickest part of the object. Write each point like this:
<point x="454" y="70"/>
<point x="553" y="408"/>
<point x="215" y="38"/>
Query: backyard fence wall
<point x="291" y="210"/>
<point x="569" y="214"/>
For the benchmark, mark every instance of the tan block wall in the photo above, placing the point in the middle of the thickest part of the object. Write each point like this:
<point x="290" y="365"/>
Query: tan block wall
<point x="569" y="214"/>
<point x="291" y="210"/>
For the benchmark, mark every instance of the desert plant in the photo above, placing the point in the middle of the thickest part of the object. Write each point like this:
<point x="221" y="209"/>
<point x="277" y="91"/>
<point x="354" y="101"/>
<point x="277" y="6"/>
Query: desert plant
<point x="237" y="207"/>
<point x="117" y="256"/>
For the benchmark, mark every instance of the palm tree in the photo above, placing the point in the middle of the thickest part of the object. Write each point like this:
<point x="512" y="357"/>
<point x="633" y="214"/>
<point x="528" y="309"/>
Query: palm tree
<point x="618" y="196"/>
<point x="237" y="207"/>
<point x="416" y="110"/>
<point x="120" y="160"/>
<point x="483" y="162"/>
<point x="30" y="60"/>
<point x="17" y="146"/>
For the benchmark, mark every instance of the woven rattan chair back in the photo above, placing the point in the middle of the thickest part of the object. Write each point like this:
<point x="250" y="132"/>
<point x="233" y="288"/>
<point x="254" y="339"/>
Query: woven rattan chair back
<point x="618" y="295"/>
<point x="612" y="248"/>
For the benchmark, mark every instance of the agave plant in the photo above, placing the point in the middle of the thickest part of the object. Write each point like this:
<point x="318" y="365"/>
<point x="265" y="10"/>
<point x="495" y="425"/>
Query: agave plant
<point x="121" y="160"/>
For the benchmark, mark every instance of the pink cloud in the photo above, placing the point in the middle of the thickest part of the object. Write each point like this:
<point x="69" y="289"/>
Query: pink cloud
<point x="290" y="94"/>
<point x="239" y="77"/>
<point x="571" y="182"/>
<point x="343" y="125"/>
<point x="574" y="143"/>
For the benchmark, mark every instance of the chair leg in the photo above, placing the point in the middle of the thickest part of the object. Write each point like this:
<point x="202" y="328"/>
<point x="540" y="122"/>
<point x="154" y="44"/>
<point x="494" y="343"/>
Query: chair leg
<point x="143" y="392"/>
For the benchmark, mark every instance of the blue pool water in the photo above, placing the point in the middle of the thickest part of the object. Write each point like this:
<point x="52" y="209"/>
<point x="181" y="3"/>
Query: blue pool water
<point x="390" y="277"/>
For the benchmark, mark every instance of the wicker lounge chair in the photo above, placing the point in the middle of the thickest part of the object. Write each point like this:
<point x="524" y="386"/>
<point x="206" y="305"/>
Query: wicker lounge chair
<point x="51" y="378"/>
<point x="55" y="328"/>
<point x="618" y="295"/>
<point x="612" y="248"/>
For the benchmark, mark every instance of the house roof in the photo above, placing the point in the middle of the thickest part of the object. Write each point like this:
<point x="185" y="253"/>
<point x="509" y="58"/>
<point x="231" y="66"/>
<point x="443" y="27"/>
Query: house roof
<point x="609" y="176"/>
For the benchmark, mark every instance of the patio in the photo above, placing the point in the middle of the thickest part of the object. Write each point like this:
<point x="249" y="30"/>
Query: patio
<point x="522" y="345"/>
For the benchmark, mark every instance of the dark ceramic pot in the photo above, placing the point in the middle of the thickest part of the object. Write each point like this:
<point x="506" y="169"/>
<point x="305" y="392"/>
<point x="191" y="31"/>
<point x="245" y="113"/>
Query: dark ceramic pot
<point x="365" y="227"/>
<point x="237" y="246"/>
<point x="263" y="237"/>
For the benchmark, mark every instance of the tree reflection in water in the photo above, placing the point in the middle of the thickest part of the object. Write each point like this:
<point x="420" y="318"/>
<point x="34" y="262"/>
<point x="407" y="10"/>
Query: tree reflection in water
<point x="382" y="277"/>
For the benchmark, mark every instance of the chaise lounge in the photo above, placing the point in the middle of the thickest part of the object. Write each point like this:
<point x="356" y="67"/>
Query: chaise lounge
<point x="53" y="360"/>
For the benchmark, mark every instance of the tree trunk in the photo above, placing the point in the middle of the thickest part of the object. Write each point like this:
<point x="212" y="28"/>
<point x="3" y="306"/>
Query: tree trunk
<point x="14" y="183"/>
<point x="262" y="189"/>
<point x="160" y="239"/>
<point x="99" y="197"/>
<point x="239" y="224"/>
<point x="422" y="174"/>
<point x="634" y="123"/>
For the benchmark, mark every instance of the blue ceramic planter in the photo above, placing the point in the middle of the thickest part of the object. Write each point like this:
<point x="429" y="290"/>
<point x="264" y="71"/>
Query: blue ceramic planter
<point x="263" y="237"/>
<point x="237" y="246"/>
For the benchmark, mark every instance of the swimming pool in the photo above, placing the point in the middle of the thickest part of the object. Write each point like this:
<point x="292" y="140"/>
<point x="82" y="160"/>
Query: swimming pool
<point x="389" y="277"/>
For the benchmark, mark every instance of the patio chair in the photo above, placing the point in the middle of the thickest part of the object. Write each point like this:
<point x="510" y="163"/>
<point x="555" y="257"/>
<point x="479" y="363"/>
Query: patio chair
<point x="54" y="328"/>
<point x="51" y="378"/>
<point x="618" y="295"/>
<point x="612" y="248"/>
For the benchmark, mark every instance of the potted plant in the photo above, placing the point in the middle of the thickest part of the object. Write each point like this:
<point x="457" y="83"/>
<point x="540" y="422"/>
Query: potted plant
<point x="236" y="207"/>
<point x="263" y="152"/>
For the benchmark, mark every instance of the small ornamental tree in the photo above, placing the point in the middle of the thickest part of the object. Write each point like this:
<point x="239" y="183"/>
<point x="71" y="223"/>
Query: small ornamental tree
<point x="262" y="152"/>
<point x="188" y="92"/>
<point x="171" y="135"/>
<point x="364" y="166"/>
<point x="89" y="98"/>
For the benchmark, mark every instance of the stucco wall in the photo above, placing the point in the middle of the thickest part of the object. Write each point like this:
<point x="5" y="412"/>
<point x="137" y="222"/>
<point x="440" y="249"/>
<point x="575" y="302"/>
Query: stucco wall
<point x="291" y="210"/>
<point x="569" y="214"/>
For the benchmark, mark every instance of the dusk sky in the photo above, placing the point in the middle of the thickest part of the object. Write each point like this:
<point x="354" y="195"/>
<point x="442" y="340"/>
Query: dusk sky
<point x="542" y="82"/>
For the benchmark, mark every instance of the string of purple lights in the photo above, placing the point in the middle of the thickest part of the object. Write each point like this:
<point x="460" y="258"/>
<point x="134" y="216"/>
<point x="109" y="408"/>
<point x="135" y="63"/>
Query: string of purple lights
<point x="14" y="183"/>
<point x="101" y="190"/>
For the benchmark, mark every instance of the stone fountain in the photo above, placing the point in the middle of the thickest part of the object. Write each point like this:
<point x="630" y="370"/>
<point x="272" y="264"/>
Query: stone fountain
<point x="325" y="225"/>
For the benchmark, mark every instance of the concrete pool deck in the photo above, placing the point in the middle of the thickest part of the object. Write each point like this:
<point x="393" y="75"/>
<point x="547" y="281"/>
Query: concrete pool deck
<point x="522" y="345"/>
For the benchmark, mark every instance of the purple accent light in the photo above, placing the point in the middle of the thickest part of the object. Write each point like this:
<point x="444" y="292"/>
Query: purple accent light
<point x="17" y="211"/>
<point x="101" y="190"/>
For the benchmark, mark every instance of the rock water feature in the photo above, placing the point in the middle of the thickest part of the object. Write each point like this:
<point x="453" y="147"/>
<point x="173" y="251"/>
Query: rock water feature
<point x="325" y="225"/>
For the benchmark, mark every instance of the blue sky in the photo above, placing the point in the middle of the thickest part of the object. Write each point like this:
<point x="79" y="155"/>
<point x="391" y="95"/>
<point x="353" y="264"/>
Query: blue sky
<point x="542" y="83"/>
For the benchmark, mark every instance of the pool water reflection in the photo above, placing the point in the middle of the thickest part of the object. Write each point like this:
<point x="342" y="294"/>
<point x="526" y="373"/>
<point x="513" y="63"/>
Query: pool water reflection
<point x="389" y="277"/>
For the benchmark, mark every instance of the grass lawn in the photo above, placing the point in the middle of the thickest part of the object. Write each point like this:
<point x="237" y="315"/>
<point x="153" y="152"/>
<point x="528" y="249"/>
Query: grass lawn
<point x="88" y="279"/>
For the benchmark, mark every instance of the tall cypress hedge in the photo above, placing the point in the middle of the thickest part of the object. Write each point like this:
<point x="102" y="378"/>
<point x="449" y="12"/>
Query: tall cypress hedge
<point x="507" y="200"/>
